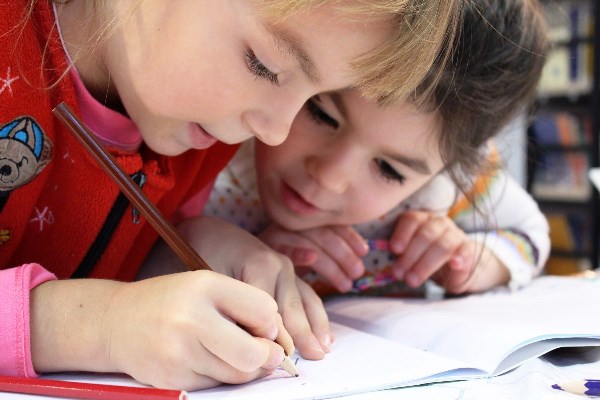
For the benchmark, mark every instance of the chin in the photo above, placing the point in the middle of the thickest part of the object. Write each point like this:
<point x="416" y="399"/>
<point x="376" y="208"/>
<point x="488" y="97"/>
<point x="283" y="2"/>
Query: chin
<point x="293" y="222"/>
<point x="162" y="149"/>
<point x="299" y="224"/>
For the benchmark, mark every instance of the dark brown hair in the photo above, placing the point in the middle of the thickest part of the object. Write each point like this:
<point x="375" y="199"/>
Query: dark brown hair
<point x="491" y="77"/>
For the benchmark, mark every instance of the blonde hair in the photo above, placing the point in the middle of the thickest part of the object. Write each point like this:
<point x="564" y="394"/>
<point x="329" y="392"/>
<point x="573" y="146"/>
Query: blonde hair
<point x="423" y="34"/>
<point x="424" y="30"/>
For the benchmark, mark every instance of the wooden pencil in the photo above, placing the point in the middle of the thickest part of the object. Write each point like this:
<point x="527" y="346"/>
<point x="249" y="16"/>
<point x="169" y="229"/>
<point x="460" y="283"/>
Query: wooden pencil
<point x="131" y="190"/>
<point x="80" y="390"/>
<point x="165" y="229"/>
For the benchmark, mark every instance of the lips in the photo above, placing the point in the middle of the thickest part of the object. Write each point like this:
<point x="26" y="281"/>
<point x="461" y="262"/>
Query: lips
<point x="295" y="202"/>
<point x="199" y="138"/>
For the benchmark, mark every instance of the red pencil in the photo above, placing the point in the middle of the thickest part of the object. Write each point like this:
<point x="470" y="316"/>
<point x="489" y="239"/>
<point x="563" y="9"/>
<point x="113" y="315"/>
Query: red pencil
<point x="79" y="390"/>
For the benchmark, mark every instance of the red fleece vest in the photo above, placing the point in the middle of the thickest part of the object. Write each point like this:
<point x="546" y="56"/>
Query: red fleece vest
<point x="54" y="198"/>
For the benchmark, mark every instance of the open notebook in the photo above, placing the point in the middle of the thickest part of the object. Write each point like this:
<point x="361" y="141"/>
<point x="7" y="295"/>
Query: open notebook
<point x="389" y="343"/>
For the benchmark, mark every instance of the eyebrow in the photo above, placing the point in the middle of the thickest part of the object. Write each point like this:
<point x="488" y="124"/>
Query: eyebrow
<point x="295" y="48"/>
<point x="415" y="164"/>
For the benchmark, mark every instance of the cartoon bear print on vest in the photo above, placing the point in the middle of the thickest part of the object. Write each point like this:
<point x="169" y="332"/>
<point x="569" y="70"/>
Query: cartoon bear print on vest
<point x="24" y="152"/>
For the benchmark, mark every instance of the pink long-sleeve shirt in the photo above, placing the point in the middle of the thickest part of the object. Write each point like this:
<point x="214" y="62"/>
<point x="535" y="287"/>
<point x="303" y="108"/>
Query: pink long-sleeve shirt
<point x="15" y="286"/>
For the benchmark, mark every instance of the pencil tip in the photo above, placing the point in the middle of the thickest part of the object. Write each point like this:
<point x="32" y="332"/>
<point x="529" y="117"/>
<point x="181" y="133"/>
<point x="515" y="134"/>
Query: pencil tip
<point x="288" y="366"/>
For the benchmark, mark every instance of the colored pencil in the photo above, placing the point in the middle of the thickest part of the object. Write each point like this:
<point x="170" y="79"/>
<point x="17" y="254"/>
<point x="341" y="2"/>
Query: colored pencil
<point x="381" y="278"/>
<point x="588" y="387"/>
<point x="80" y="390"/>
<point x="165" y="229"/>
<point x="378" y="244"/>
<point x="131" y="190"/>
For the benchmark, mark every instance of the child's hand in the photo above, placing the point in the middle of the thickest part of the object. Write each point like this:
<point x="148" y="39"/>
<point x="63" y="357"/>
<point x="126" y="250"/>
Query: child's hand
<point x="237" y="253"/>
<point x="485" y="272"/>
<point x="334" y="252"/>
<point x="188" y="330"/>
<point x="432" y="246"/>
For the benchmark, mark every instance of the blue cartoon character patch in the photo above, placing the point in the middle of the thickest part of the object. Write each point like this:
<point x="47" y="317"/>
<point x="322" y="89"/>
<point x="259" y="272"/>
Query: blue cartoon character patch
<point x="24" y="152"/>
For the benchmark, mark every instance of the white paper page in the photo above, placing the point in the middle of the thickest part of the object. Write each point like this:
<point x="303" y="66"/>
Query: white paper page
<point x="358" y="363"/>
<point x="480" y="330"/>
<point x="533" y="380"/>
<point x="538" y="349"/>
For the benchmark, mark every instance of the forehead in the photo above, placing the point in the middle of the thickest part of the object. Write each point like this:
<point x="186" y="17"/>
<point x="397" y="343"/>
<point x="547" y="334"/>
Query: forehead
<point x="331" y="39"/>
<point x="401" y="128"/>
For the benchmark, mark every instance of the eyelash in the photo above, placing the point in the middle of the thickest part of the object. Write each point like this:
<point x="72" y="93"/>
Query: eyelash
<point x="258" y="69"/>
<point x="320" y="116"/>
<point x="385" y="170"/>
<point x="388" y="173"/>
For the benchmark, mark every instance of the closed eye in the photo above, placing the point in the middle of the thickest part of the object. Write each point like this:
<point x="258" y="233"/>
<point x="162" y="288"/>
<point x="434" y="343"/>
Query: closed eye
<point x="258" y="69"/>
<point x="388" y="172"/>
<point x="320" y="116"/>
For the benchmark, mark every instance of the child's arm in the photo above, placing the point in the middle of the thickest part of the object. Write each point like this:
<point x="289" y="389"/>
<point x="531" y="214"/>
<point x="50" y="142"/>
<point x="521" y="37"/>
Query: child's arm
<point x="512" y="227"/>
<point x="176" y="331"/>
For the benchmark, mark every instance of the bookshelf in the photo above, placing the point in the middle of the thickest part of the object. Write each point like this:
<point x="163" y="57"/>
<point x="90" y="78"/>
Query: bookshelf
<point x="563" y="137"/>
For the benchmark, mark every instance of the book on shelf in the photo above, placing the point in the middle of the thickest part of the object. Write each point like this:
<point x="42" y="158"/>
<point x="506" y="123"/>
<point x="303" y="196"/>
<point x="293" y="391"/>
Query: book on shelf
<point x="390" y="343"/>
<point x="561" y="176"/>
<point x="567" y="19"/>
<point x="569" y="231"/>
<point x="562" y="128"/>
<point x="568" y="70"/>
<point x="562" y="265"/>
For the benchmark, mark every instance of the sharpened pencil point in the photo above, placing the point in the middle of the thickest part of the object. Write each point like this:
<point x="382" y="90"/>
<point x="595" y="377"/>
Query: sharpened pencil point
<point x="288" y="366"/>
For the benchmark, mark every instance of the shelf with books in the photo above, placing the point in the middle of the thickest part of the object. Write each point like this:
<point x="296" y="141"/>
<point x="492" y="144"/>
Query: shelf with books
<point x="569" y="64"/>
<point x="563" y="137"/>
<point x="559" y="145"/>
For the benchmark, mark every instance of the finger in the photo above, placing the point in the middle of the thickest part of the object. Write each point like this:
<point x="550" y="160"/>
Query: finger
<point x="457" y="280"/>
<point x="464" y="258"/>
<point x="269" y="279"/>
<point x="356" y="242"/>
<point x="236" y="346"/>
<point x="331" y="271"/>
<point x="295" y="318"/>
<point x="284" y="339"/>
<point x="317" y="317"/>
<point x="407" y="224"/>
<point x="434" y="258"/>
<point x="257" y="313"/>
<point x="339" y="251"/>
<point x="422" y="238"/>
<point x="301" y="257"/>
<point x="210" y="371"/>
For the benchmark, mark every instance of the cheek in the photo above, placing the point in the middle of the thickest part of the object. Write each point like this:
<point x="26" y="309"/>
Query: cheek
<point x="286" y="157"/>
<point x="181" y="87"/>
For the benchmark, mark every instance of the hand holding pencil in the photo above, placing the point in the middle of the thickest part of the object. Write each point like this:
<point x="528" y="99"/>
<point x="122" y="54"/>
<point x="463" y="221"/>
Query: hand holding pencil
<point x="182" y="330"/>
<point x="257" y="265"/>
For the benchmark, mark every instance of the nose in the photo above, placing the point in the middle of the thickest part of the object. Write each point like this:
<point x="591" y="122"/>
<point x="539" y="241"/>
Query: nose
<point x="271" y="123"/>
<point x="333" y="170"/>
